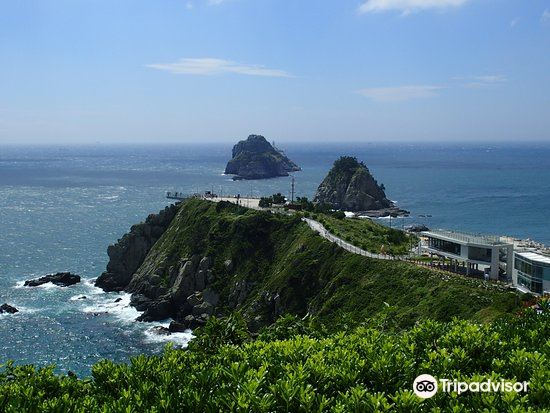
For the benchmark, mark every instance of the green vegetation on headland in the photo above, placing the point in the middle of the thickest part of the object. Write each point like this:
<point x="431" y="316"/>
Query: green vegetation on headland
<point x="368" y="235"/>
<point x="294" y="366"/>
<point x="278" y="265"/>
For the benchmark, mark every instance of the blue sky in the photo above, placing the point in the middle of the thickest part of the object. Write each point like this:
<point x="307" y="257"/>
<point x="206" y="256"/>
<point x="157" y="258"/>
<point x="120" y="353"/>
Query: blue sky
<point x="216" y="70"/>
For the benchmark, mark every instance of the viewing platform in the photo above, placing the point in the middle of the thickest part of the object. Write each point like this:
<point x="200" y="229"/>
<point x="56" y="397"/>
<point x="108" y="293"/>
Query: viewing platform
<point x="246" y="201"/>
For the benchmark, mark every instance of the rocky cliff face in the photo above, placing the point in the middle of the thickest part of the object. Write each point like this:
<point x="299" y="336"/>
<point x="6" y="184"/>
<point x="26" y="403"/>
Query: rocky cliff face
<point x="255" y="158"/>
<point x="126" y="256"/>
<point x="350" y="186"/>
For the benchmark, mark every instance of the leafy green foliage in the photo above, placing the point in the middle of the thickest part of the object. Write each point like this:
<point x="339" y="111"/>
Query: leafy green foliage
<point x="369" y="235"/>
<point x="363" y="369"/>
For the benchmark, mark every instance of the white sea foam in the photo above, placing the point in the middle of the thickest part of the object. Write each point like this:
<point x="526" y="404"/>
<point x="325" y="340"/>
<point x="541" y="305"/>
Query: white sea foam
<point x="178" y="339"/>
<point x="19" y="284"/>
<point x="22" y="310"/>
<point x="107" y="303"/>
<point x="46" y="286"/>
<point x="99" y="302"/>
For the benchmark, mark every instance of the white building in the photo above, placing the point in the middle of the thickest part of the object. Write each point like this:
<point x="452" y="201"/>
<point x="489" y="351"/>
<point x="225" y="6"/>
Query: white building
<point x="532" y="271"/>
<point x="471" y="254"/>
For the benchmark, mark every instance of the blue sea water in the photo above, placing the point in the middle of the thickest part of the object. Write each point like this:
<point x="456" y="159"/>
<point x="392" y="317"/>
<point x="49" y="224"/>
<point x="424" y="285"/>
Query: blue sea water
<point x="61" y="206"/>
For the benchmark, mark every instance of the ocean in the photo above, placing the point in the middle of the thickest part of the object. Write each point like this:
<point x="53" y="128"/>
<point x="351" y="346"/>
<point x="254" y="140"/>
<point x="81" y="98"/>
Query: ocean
<point x="61" y="206"/>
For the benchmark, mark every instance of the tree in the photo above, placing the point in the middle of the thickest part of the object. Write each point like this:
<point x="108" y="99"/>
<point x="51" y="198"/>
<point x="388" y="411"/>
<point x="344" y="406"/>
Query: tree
<point x="278" y="198"/>
<point x="265" y="202"/>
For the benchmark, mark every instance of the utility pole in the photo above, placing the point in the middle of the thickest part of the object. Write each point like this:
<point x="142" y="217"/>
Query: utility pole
<point x="292" y="191"/>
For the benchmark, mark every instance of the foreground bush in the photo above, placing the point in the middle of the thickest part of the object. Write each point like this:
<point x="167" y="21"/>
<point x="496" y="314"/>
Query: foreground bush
<point x="364" y="370"/>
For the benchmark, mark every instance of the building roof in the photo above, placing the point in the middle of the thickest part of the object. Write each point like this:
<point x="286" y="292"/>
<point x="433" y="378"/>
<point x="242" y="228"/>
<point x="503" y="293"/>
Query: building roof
<point x="533" y="256"/>
<point x="465" y="237"/>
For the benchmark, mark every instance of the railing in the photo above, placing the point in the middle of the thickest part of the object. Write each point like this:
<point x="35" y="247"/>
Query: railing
<point x="465" y="237"/>
<point x="318" y="227"/>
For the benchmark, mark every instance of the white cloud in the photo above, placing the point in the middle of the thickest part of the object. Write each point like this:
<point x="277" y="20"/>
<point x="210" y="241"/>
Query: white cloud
<point x="408" y="6"/>
<point x="514" y="22"/>
<point x="400" y="93"/>
<point x="211" y="66"/>
<point x="189" y="5"/>
<point x="545" y="15"/>
<point x="482" y="81"/>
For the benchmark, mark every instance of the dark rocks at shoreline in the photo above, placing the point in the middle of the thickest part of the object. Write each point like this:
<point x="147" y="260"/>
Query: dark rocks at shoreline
<point x="8" y="309"/>
<point x="256" y="158"/>
<point x="349" y="186"/>
<point x="126" y="256"/>
<point x="185" y="292"/>
<point x="62" y="279"/>
<point x="394" y="212"/>
<point x="417" y="228"/>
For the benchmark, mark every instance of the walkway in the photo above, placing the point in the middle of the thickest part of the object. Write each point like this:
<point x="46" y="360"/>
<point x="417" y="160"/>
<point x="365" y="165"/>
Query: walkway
<point x="318" y="227"/>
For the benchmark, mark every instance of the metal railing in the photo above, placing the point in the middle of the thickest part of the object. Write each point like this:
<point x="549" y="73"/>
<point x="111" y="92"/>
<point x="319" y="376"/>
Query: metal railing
<point x="318" y="227"/>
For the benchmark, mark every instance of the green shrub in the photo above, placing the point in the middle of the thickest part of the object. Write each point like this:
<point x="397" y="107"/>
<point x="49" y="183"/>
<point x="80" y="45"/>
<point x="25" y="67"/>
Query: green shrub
<point x="364" y="369"/>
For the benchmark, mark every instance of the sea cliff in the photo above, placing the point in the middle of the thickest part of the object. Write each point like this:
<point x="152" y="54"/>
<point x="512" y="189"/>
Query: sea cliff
<point x="201" y="258"/>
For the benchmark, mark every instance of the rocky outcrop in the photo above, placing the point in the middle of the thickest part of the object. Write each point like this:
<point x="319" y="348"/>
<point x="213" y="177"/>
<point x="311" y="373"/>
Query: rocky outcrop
<point x="256" y="158"/>
<point x="178" y="292"/>
<point x="349" y="186"/>
<point x="62" y="279"/>
<point x="126" y="256"/>
<point x="8" y="309"/>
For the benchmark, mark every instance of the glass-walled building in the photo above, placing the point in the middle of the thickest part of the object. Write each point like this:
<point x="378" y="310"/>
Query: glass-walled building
<point x="471" y="253"/>
<point x="532" y="271"/>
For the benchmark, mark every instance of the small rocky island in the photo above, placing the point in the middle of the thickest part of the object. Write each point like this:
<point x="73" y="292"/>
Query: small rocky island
<point x="349" y="186"/>
<point x="256" y="158"/>
<point x="61" y="279"/>
<point x="8" y="309"/>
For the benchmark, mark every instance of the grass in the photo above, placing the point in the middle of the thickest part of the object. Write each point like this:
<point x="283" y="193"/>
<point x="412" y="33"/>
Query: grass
<point x="369" y="235"/>
<point x="285" y="267"/>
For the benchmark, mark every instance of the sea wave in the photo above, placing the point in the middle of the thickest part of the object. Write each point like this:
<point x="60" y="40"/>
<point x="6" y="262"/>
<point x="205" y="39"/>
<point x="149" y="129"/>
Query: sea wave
<point x="116" y="304"/>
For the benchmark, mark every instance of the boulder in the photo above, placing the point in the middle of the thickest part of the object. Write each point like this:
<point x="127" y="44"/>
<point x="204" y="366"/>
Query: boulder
<point x="8" y="309"/>
<point x="160" y="330"/>
<point x="191" y="322"/>
<point x="176" y="327"/>
<point x="62" y="279"/>
<point x="157" y="310"/>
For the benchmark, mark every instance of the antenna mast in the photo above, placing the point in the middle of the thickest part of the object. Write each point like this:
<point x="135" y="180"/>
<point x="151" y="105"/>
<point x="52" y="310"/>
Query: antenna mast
<point x="292" y="191"/>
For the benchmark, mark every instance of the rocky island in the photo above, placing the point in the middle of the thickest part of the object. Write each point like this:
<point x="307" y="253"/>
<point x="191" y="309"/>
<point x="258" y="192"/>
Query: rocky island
<point x="256" y="158"/>
<point x="61" y="279"/>
<point x="349" y="186"/>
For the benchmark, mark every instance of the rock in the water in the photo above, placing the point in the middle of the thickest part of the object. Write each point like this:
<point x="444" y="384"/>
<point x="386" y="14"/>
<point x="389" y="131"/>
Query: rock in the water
<point x="417" y="228"/>
<point x="160" y="330"/>
<point x="118" y="300"/>
<point x="176" y="327"/>
<point x="156" y="310"/>
<point x="6" y="308"/>
<point x="62" y="279"/>
<point x="256" y="158"/>
<point x="349" y="186"/>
